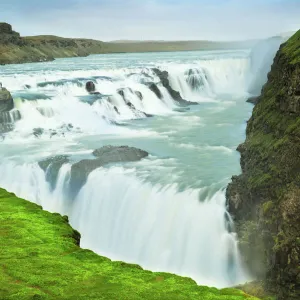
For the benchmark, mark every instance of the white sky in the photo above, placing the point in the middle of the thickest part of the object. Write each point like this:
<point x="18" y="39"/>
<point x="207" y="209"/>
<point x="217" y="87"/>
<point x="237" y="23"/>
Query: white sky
<point x="153" y="19"/>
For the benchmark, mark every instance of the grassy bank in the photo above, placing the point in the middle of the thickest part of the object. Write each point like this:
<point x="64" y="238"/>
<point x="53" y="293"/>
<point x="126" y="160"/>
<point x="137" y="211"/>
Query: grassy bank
<point x="40" y="259"/>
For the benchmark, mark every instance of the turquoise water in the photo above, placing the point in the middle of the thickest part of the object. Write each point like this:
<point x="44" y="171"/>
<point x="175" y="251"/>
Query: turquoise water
<point x="166" y="212"/>
<point x="199" y="144"/>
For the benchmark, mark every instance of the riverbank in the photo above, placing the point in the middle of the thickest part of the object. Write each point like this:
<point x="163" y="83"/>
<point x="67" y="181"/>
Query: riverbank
<point x="15" y="49"/>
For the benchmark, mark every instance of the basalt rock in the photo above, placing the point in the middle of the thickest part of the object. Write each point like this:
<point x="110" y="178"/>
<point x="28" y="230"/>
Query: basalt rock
<point x="153" y="87"/>
<point x="164" y="79"/>
<point x="90" y="87"/>
<point x="194" y="78"/>
<point x="104" y="156"/>
<point x="123" y="92"/>
<point x="51" y="166"/>
<point x="6" y="100"/>
<point x="10" y="117"/>
<point x="139" y="95"/>
<point x="253" y="100"/>
<point x="265" y="199"/>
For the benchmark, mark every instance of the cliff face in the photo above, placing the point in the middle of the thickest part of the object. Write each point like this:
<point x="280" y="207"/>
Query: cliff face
<point x="265" y="198"/>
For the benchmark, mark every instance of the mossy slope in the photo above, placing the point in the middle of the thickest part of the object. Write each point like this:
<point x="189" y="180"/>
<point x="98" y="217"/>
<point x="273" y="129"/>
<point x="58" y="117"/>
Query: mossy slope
<point x="265" y="199"/>
<point x="40" y="259"/>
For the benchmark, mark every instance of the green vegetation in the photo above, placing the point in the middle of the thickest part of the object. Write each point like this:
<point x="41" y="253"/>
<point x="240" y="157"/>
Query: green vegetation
<point x="40" y="259"/>
<point x="292" y="48"/>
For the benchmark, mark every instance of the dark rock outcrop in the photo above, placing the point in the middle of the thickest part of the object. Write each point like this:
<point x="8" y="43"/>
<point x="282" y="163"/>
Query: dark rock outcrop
<point x="265" y="198"/>
<point x="10" y="117"/>
<point x="253" y="100"/>
<point x="122" y="92"/>
<point x="8" y="36"/>
<point x="51" y="167"/>
<point x="164" y="79"/>
<point x="194" y="79"/>
<point x="7" y="115"/>
<point x="154" y="88"/>
<point x="105" y="155"/>
<point x="6" y="100"/>
<point x="5" y="28"/>
<point x="139" y="95"/>
<point x="90" y="87"/>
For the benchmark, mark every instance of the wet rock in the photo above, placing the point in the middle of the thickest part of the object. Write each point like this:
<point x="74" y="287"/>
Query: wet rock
<point x="90" y="87"/>
<point x="120" y="153"/>
<point x="51" y="166"/>
<point x="122" y="92"/>
<point x="37" y="132"/>
<point x="139" y="94"/>
<point x="153" y="87"/>
<point x="53" y="133"/>
<point x="5" y="128"/>
<point x="116" y="110"/>
<point x="6" y="100"/>
<point x="10" y="117"/>
<point x="253" y="100"/>
<point x="105" y="155"/>
<point x="164" y="79"/>
<point x="194" y="78"/>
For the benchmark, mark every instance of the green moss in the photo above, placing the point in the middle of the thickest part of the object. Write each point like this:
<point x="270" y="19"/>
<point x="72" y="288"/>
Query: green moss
<point x="292" y="49"/>
<point x="260" y="179"/>
<point x="40" y="259"/>
<point x="267" y="206"/>
<point x="257" y="288"/>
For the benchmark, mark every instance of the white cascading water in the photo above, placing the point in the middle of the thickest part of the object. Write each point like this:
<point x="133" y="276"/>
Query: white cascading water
<point x="118" y="214"/>
<point x="157" y="227"/>
<point x="67" y="102"/>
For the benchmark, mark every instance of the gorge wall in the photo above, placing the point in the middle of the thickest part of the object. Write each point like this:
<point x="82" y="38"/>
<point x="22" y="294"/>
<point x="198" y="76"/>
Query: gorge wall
<point x="265" y="198"/>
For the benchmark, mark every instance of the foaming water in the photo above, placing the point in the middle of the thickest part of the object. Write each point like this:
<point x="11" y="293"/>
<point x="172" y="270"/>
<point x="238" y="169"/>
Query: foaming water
<point x="158" y="227"/>
<point x="167" y="212"/>
<point x="55" y="99"/>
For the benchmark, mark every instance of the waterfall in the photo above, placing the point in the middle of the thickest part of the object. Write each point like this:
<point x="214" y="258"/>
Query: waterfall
<point x="124" y="218"/>
<point x="174" y="221"/>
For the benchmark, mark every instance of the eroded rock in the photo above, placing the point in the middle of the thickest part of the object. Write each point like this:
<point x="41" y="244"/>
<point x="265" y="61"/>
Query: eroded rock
<point x="51" y="166"/>
<point x="253" y="100"/>
<point x="164" y="79"/>
<point x="105" y="155"/>
<point x="6" y="100"/>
